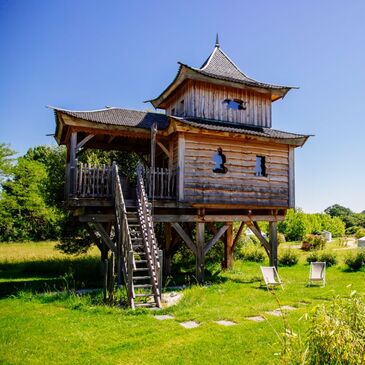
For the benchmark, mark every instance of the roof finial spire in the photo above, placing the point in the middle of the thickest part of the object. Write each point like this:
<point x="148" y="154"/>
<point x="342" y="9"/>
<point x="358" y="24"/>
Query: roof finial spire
<point x="217" y="41"/>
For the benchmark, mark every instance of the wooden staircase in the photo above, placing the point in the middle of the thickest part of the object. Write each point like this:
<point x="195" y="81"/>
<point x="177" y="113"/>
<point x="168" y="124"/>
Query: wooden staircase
<point x="136" y="247"/>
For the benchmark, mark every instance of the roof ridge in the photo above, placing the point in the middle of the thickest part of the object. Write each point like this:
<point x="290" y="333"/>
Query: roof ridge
<point x="80" y="111"/>
<point x="102" y="110"/>
<point x="233" y="64"/>
<point x="206" y="62"/>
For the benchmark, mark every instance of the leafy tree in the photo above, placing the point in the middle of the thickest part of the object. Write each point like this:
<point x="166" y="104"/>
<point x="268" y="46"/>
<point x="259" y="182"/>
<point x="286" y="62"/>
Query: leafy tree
<point x="297" y="224"/>
<point x="337" y="210"/>
<point x="53" y="158"/>
<point x="294" y="225"/>
<point x="6" y="160"/>
<point x="24" y="214"/>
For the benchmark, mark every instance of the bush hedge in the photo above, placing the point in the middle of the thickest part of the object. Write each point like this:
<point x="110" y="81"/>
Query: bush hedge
<point x="323" y="256"/>
<point x="288" y="258"/>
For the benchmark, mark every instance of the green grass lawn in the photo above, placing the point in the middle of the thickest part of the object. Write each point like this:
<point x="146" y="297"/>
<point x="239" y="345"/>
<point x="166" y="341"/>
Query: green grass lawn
<point x="62" y="328"/>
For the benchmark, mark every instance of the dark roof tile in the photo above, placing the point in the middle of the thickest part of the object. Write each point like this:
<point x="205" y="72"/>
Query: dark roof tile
<point x="122" y="117"/>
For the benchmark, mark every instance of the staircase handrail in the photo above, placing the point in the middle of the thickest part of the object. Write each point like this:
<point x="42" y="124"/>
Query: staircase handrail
<point x="146" y="209"/>
<point x="124" y="242"/>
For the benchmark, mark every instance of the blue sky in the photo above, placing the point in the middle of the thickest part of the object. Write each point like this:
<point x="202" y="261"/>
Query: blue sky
<point x="89" y="54"/>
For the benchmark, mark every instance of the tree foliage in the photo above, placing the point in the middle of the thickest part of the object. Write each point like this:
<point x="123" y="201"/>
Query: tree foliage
<point x="297" y="224"/>
<point x="24" y="213"/>
<point x="6" y="160"/>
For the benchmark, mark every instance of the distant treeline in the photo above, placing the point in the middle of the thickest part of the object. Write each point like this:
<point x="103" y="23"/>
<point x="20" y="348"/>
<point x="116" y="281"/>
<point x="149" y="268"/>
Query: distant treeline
<point x="32" y="193"/>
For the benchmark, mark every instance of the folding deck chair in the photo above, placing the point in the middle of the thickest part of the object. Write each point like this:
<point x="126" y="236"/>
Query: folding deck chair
<point x="317" y="272"/>
<point x="271" y="276"/>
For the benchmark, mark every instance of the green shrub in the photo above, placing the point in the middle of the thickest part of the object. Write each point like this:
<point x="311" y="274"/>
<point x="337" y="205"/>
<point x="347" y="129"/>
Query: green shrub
<point x="337" y="333"/>
<point x="355" y="261"/>
<point x="288" y="258"/>
<point x="281" y="238"/>
<point x="313" y="242"/>
<point x="251" y="252"/>
<point x="360" y="233"/>
<point x="323" y="256"/>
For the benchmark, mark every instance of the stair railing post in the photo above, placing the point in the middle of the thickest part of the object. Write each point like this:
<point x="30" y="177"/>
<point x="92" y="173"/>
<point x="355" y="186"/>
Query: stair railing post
<point x="160" y="271"/>
<point x="130" y="279"/>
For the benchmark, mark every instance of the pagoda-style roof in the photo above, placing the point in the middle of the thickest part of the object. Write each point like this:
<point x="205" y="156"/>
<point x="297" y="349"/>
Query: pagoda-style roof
<point x="117" y="119"/>
<point x="219" y="69"/>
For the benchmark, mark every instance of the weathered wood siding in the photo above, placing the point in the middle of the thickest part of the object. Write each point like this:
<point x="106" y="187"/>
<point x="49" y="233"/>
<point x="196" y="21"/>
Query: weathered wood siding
<point x="202" y="100"/>
<point x="239" y="185"/>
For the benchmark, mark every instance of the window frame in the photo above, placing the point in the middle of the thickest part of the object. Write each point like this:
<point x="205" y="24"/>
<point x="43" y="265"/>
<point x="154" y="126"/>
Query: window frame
<point x="263" y="167"/>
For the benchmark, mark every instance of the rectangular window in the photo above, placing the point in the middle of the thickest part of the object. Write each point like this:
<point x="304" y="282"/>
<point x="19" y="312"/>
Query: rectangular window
<point x="182" y="108"/>
<point x="260" y="166"/>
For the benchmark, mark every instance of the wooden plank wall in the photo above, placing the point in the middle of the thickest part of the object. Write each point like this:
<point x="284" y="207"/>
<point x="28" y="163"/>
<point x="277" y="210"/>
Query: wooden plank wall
<point x="202" y="100"/>
<point x="239" y="185"/>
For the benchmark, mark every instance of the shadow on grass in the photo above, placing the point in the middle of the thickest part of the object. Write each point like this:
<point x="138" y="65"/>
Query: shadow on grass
<point x="49" y="275"/>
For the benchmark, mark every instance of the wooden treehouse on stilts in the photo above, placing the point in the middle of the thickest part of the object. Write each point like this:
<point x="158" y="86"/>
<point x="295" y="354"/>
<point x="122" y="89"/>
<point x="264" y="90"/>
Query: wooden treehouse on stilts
<point x="212" y="157"/>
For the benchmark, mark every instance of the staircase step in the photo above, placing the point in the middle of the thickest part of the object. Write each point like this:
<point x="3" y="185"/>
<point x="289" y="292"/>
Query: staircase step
<point x="141" y="277"/>
<point x="141" y="269"/>
<point x="144" y="295"/>
<point x="143" y="286"/>
<point x="140" y="261"/>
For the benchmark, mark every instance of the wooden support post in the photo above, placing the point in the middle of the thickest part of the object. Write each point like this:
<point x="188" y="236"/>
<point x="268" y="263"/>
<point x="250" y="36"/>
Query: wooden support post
<point x="111" y="268"/>
<point x="181" y="166"/>
<point x="228" y="247"/>
<point x="153" y="159"/>
<point x="273" y="240"/>
<point x="73" y="163"/>
<point x="105" y="279"/>
<point x="160" y="270"/>
<point x="168" y="249"/>
<point x="200" y="256"/>
<point x="185" y="237"/>
<point x="291" y="178"/>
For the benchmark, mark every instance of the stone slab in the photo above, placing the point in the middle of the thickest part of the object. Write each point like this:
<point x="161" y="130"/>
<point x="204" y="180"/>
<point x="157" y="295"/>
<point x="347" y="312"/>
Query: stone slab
<point x="163" y="317"/>
<point x="226" y="323"/>
<point x="288" y="308"/>
<point x="256" y="318"/>
<point x="276" y="313"/>
<point x="189" y="324"/>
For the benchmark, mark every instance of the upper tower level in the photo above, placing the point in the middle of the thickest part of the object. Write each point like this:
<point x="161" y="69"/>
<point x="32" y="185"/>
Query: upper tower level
<point x="220" y="91"/>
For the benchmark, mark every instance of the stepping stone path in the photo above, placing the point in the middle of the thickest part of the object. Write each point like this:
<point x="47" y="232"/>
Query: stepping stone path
<point x="288" y="308"/>
<point x="189" y="324"/>
<point x="163" y="317"/>
<point x="226" y="323"/>
<point x="256" y="318"/>
<point x="276" y="313"/>
<point x="279" y="312"/>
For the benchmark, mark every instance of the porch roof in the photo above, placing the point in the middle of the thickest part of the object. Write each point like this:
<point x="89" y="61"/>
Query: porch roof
<point x="117" y="119"/>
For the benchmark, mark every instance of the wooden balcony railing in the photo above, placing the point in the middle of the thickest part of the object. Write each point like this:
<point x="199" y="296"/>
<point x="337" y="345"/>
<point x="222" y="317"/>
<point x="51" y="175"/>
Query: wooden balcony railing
<point x="161" y="183"/>
<point x="86" y="181"/>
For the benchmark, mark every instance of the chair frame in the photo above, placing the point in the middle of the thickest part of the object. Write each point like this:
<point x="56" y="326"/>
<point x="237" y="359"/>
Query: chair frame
<point x="276" y="274"/>
<point x="323" y="279"/>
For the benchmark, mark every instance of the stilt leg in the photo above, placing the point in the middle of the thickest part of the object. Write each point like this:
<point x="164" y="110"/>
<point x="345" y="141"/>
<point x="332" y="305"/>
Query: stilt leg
<point x="273" y="231"/>
<point x="200" y="257"/>
<point x="228" y="248"/>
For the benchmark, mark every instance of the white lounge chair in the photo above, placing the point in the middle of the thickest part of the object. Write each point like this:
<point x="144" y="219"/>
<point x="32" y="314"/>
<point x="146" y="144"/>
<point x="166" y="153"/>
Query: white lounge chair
<point x="271" y="276"/>
<point x="317" y="273"/>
